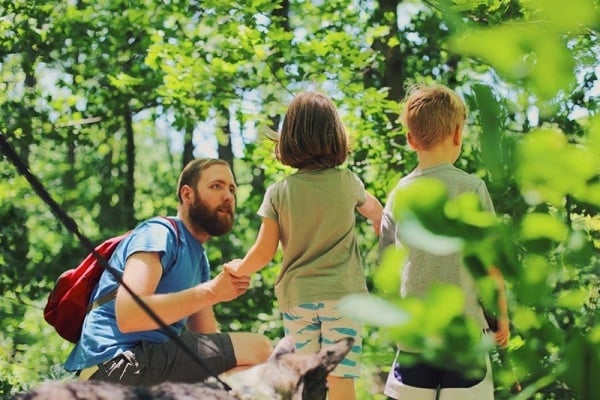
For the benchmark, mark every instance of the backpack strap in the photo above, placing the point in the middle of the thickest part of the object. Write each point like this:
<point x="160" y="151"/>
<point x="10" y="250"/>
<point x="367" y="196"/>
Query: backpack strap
<point x="106" y="297"/>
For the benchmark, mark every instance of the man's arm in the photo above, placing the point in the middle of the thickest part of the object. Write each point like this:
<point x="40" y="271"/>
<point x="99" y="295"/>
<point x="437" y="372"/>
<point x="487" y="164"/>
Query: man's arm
<point x="142" y="274"/>
<point x="204" y="321"/>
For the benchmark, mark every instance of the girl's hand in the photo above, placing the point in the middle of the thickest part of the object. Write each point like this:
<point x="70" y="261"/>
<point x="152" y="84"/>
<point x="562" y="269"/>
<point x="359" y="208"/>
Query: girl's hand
<point x="232" y="266"/>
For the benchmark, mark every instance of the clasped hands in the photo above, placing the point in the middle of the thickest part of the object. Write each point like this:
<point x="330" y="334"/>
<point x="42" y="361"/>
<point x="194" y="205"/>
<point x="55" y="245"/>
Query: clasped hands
<point x="228" y="286"/>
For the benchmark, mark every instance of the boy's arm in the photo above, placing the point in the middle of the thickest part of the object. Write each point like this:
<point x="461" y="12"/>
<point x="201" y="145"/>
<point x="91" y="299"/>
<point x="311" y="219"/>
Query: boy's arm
<point x="372" y="209"/>
<point x="503" y="332"/>
<point x="261" y="253"/>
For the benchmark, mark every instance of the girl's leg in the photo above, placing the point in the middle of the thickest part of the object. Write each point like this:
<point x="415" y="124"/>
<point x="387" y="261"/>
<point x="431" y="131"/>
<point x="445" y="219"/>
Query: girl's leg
<point x="341" y="388"/>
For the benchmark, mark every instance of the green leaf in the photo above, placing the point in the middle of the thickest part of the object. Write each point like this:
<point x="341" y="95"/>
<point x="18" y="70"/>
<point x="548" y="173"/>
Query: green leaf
<point x="388" y="275"/>
<point x="574" y="298"/>
<point x="413" y="233"/>
<point x="543" y="226"/>
<point x="373" y="310"/>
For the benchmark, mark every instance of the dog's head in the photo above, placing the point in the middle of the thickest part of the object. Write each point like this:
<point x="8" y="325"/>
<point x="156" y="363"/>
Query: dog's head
<point x="290" y="376"/>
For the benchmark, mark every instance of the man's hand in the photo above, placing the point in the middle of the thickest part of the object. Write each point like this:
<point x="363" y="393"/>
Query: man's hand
<point x="227" y="286"/>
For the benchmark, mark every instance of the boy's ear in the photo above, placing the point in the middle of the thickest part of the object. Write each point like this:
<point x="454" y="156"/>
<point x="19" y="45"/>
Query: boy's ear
<point x="457" y="135"/>
<point x="411" y="142"/>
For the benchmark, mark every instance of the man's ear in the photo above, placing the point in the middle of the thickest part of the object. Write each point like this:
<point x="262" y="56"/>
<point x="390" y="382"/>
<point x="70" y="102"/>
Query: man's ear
<point x="186" y="193"/>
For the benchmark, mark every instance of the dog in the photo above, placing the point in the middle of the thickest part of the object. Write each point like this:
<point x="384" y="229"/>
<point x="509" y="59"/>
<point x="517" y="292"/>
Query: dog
<point x="284" y="376"/>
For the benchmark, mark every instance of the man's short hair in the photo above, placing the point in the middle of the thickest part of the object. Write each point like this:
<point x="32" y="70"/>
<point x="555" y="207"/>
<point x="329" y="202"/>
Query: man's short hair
<point x="190" y="175"/>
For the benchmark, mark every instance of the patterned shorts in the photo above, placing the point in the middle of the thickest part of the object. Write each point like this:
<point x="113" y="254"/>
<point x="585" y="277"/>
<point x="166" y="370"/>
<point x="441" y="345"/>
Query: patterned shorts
<point x="313" y="325"/>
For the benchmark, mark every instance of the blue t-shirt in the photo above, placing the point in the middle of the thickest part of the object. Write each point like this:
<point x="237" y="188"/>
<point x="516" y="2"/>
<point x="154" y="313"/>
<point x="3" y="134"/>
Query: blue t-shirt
<point x="184" y="265"/>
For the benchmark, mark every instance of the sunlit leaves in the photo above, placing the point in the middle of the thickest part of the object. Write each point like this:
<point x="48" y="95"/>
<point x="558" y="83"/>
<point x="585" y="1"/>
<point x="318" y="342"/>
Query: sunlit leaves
<point x="534" y="49"/>
<point x="550" y="168"/>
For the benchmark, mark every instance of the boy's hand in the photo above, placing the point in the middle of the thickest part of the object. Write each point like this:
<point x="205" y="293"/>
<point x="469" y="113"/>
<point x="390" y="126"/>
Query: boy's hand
<point x="502" y="335"/>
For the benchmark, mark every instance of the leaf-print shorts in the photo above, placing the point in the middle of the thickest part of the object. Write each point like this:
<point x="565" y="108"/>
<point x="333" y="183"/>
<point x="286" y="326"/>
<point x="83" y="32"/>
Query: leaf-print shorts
<point x="317" y="324"/>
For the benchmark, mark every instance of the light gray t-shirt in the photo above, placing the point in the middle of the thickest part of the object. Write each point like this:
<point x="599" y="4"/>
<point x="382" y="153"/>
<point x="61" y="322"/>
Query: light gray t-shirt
<point x="315" y="211"/>
<point x="422" y="269"/>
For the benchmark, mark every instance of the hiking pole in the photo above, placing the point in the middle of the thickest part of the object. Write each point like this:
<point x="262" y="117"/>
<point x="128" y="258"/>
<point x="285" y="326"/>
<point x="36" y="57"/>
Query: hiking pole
<point x="71" y="226"/>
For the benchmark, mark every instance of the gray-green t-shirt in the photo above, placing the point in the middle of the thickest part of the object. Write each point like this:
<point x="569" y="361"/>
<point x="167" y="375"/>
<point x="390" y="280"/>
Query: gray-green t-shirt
<point x="315" y="211"/>
<point x="421" y="268"/>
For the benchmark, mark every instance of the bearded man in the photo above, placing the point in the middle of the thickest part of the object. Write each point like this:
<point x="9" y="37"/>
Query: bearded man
<point x="164" y="262"/>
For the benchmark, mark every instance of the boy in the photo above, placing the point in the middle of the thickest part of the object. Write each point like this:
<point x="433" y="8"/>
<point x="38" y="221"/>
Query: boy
<point x="434" y="117"/>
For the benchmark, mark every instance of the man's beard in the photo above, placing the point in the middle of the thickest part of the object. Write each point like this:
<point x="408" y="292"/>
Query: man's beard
<point x="210" y="221"/>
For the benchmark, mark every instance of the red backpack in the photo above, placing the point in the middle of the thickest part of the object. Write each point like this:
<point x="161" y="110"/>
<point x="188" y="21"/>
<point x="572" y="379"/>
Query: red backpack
<point x="69" y="301"/>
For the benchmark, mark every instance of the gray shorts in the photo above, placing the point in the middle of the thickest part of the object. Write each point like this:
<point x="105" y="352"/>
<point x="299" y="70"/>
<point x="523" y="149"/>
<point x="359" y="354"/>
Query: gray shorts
<point x="152" y="363"/>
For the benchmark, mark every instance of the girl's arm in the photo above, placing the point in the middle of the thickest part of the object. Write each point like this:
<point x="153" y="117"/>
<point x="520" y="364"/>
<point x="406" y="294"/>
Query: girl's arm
<point x="261" y="253"/>
<point x="372" y="210"/>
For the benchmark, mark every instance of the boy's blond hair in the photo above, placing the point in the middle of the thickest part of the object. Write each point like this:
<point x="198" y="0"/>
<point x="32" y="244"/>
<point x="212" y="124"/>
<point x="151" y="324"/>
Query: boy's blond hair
<point x="432" y="113"/>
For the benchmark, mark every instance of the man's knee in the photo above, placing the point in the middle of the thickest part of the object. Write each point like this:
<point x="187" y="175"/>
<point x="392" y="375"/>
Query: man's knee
<point x="250" y="348"/>
<point x="264" y="348"/>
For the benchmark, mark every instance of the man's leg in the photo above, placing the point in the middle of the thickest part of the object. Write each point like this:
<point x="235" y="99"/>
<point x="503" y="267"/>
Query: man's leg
<point x="250" y="348"/>
<point x="152" y="363"/>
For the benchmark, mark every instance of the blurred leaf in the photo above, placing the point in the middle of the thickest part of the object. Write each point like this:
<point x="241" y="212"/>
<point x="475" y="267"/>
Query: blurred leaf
<point x="373" y="310"/>
<point x="466" y="208"/>
<point x="575" y="298"/>
<point x="525" y="319"/>
<point x="388" y="274"/>
<point x="413" y="233"/>
<point x="582" y="363"/>
<point x="536" y="226"/>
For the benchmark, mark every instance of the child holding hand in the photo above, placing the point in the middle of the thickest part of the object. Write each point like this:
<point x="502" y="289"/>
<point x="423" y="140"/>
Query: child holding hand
<point x="312" y="214"/>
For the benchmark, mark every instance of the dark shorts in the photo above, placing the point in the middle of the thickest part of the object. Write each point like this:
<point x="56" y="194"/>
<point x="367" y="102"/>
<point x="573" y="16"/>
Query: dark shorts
<point x="152" y="363"/>
<point x="428" y="376"/>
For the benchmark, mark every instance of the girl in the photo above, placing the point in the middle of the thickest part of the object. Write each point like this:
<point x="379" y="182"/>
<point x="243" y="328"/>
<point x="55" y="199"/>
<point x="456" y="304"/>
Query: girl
<point x="311" y="212"/>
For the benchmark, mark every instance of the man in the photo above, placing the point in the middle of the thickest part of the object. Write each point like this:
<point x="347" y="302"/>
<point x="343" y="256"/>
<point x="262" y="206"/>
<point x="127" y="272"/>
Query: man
<point x="163" y="261"/>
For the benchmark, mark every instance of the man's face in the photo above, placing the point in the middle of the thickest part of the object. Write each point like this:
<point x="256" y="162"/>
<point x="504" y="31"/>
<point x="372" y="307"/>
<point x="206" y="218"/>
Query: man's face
<point x="213" y="206"/>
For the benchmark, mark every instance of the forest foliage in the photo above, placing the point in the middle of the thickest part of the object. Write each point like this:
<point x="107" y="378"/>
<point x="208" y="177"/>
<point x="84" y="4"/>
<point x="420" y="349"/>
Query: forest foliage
<point x="106" y="100"/>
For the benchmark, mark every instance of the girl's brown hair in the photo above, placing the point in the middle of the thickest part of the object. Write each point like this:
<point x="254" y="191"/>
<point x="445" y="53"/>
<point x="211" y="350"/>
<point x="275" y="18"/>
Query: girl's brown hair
<point x="432" y="113"/>
<point x="312" y="135"/>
